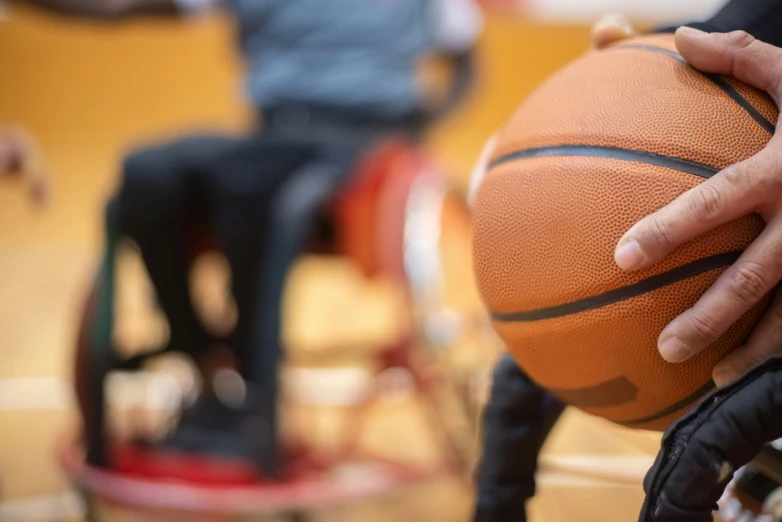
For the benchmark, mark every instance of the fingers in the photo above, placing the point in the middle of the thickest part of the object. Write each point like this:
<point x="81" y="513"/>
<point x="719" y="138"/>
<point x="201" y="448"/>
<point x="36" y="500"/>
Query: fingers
<point x="730" y="194"/>
<point x="610" y="29"/>
<point x="739" y="288"/>
<point x="734" y="54"/>
<point x="480" y="168"/>
<point x="765" y="341"/>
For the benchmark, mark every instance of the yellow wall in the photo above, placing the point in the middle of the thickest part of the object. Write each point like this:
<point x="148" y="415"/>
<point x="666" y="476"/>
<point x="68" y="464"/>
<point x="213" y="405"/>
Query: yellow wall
<point x="88" y="91"/>
<point x="515" y="56"/>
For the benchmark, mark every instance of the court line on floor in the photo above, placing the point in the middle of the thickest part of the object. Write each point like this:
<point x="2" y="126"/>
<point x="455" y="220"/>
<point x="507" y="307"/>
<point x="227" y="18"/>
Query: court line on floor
<point x="43" y="508"/>
<point x="564" y="480"/>
<point x="595" y="470"/>
<point x="69" y="506"/>
<point x="35" y="394"/>
<point x="607" y="460"/>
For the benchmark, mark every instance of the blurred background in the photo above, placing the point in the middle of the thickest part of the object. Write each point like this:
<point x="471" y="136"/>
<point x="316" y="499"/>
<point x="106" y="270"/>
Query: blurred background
<point x="89" y="91"/>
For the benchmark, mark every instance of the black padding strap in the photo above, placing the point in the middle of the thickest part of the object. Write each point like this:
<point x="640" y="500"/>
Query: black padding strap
<point x="516" y="422"/>
<point x="702" y="450"/>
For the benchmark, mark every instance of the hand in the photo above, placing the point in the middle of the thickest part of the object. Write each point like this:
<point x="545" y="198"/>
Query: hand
<point x="610" y="29"/>
<point x="20" y="156"/>
<point x="754" y="185"/>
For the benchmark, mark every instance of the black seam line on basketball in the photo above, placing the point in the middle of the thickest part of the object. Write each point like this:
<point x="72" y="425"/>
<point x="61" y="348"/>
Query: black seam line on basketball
<point x="718" y="81"/>
<point x="649" y="284"/>
<point x="673" y="408"/>
<point x="594" y="151"/>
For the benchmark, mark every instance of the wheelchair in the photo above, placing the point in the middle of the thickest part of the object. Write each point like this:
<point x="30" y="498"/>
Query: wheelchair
<point x="390" y="220"/>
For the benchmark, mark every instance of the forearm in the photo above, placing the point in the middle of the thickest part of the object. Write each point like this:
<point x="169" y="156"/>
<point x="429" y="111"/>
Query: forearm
<point x="106" y="8"/>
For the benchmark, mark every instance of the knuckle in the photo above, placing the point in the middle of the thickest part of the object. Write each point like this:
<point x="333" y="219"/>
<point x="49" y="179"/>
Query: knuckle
<point x="707" y="203"/>
<point x="738" y="175"/>
<point x="756" y="357"/>
<point x="747" y="50"/>
<point x="775" y="317"/>
<point x="660" y="232"/>
<point x="748" y="282"/>
<point x="740" y="39"/>
<point x="758" y="178"/>
<point x="775" y="83"/>
<point x="704" y="325"/>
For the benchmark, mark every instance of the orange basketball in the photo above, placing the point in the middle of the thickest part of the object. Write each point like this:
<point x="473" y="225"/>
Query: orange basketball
<point x="606" y="141"/>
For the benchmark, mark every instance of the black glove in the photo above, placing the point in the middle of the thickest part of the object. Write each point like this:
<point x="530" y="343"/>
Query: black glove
<point x="701" y="451"/>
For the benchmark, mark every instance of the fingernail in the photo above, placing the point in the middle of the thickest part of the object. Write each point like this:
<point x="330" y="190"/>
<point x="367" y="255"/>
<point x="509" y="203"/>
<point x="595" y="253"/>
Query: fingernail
<point x="629" y="255"/>
<point x="673" y="350"/>
<point x="724" y="375"/>
<point x="614" y="21"/>
<point x="691" y="31"/>
<point x="627" y="27"/>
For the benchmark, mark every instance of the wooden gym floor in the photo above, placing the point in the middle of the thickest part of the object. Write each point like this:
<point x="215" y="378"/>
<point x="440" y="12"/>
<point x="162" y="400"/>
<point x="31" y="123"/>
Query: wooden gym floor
<point x="89" y="91"/>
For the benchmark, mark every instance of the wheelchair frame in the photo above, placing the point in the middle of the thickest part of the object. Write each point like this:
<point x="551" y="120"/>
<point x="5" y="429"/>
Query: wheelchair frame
<point x="415" y="220"/>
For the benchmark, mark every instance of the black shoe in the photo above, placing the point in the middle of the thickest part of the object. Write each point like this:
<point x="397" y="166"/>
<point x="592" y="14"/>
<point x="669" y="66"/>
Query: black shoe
<point x="211" y="428"/>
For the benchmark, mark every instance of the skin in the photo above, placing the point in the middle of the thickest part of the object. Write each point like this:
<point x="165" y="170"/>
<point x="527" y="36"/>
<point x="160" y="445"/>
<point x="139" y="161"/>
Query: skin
<point x="20" y="157"/>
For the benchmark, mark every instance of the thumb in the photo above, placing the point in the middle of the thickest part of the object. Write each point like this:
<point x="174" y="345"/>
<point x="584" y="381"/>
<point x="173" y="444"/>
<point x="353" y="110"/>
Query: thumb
<point x="610" y="29"/>
<point x="736" y="54"/>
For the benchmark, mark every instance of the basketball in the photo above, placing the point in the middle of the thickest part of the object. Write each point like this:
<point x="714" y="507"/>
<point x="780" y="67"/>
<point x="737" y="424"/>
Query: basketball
<point x="607" y="140"/>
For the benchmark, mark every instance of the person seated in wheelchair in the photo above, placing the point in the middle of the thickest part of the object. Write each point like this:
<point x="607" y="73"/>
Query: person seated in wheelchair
<point x="328" y="78"/>
<point x="703" y="451"/>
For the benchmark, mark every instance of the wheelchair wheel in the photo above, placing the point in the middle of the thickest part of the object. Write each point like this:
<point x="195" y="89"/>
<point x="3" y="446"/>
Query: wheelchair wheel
<point x="81" y="376"/>
<point x="456" y="344"/>
<point x="420" y="223"/>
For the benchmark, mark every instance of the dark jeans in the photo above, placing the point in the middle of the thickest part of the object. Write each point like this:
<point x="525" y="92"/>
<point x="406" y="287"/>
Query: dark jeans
<point x="260" y="195"/>
<point x="516" y="422"/>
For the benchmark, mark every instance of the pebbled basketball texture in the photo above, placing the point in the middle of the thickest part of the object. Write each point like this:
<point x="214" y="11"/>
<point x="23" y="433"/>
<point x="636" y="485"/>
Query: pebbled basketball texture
<point x="606" y="141"/>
